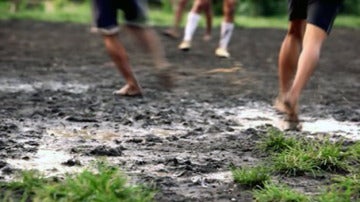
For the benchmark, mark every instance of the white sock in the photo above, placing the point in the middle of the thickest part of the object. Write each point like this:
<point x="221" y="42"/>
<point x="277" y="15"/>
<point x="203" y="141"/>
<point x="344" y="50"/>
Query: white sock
<point x="225" y="34"/>
<point x="191" y="25"/>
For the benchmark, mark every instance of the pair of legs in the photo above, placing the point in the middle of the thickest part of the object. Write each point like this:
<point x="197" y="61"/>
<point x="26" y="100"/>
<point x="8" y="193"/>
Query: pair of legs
<point x="105" y="19"/>
<point x="300" y="50"/>
<point x="227" y="26"/>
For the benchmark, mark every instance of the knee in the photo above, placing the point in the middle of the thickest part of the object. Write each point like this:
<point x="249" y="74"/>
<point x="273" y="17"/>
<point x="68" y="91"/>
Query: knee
<point x="296" y="30"/>
<point x="229" y="7"/>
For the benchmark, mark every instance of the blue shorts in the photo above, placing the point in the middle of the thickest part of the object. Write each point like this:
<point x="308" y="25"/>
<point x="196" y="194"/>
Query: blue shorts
<point x="105" y="14"/>
<point x="320" y="13"/>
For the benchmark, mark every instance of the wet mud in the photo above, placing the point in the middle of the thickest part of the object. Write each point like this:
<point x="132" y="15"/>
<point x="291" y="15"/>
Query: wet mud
<point x="58" y="114"/>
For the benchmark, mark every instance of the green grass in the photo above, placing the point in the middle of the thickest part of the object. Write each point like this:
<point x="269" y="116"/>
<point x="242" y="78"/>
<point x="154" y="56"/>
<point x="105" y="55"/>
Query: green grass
<point x="80" y="13"/>
<point x="345" y="189"/>
<point x="329" y="156"/>
<point x="107" y="184"/>
<point x="279" y="193"/>
<point x="251" y="177"/>
<point x="275" y="141"/>
<point x="294" y="162"/>
<point x="311" y="157"/>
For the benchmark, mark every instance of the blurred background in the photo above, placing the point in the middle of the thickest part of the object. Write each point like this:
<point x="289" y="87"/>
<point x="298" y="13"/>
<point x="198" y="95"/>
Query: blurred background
<point x="250" y="13"/>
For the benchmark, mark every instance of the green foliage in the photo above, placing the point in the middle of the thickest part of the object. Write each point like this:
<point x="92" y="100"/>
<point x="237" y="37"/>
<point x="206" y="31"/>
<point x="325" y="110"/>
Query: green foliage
<point x="351" y="7"/>
<point x="275" y="141"/>
<point x="251" y="177"/>
<point x="262" y="7"/>
<point x="311" y="156"/>
<point x="22" y="190"/>
<point x="108" y="184"/>
<point x="279" y="193"/>
<point x="345" y="189"/>
<point x="294" y="162"/>
<point x="329" y="156"/>
<point x="354" y="152"/>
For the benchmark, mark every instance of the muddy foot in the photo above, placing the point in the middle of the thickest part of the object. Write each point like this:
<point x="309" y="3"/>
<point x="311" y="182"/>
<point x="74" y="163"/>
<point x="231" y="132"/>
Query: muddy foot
<point x="279" y="105"/>
<point x="129" y="91"/>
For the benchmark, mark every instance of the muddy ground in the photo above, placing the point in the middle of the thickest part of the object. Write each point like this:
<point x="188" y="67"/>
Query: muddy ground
<point x="57" y="111"/>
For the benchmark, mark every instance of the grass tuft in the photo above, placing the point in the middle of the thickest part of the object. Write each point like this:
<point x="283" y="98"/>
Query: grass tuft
<point x="272" y="192"/>
<point x="107" y="184"/>
<point x="275" y="141"/>
<point x="345" y="189"/>
<point x="294" y="162"/>
<point x="251" y="177"/>
<point x="329" y="156"/>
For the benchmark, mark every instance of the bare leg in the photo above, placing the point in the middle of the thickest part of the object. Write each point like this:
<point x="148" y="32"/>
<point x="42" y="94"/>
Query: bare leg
<point x="309" y="57"/>
<point x="119" y="56"/>
<point x="151" y="42"/>
<point x="179" y="10"/>
<point x="289" y="54"/>
<point x="288" y="59"/>
<point x="209" y="16"/>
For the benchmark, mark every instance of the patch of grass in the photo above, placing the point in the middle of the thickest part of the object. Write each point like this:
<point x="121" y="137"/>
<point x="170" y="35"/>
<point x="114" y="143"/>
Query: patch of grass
<point x="251" y="177"/>
<point x="329" y="156"/>
<point x="108" y="184"/>
<point x="22" y="190"/>
<point x="311" y="157"/>
<point x="345" y="189"/>
<point x="279" y="193"/>
<point x="353" y="152"/>
<point x="294" y="162"/>
<point x="275" y="141"/>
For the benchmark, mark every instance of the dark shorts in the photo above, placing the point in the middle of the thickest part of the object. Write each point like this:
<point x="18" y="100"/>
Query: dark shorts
<point x="321" y="13"/>
<point x="105" y="14"/>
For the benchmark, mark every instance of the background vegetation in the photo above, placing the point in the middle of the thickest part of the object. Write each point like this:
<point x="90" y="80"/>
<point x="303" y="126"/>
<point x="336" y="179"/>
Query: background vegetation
<point x="250" y="13"/>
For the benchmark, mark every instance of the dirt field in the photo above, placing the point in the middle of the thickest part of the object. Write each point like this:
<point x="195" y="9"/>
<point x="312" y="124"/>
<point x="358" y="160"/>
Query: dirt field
<point x="57" y="107"/>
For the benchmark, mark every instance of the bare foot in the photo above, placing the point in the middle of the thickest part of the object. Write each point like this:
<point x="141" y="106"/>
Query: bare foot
<point x="283" y="105"/>
<point x="291" y="111"/>
<point x="279" y="104"/>
<point x="130" y="91"/>
<point x="171" y="33"/>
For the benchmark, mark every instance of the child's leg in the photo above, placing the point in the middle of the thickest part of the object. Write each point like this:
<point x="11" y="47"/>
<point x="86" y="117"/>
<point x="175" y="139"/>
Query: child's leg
<point x="179" y="10"/>
<point x="309" y="57"/>
<point x="289" y="55"/>
<point x="209" y="16"/>
<point x="118" y="54"/>
<point x="227" y="27"/>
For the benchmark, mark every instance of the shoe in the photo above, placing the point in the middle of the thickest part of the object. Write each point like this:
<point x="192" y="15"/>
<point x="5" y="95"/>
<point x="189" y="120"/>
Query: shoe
<point x="222" y="53"/>
<point x="185" y="46"/>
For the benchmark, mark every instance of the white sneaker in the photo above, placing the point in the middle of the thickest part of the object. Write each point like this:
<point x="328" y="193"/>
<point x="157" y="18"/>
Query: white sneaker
<point x="222" y="53"/>
<point x="185" y="46"/>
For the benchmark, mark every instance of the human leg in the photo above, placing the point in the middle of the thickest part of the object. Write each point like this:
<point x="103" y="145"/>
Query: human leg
<point x="320" y="16"/>
<point x="119" y="56"/>
<point x="191" y="24"/>
<point x="309" y="57"/>
<point x="227" y="27"/>
<point x="288" y="59"/>
<point x="179" y="10"/>
<point x="209" y="17"/>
